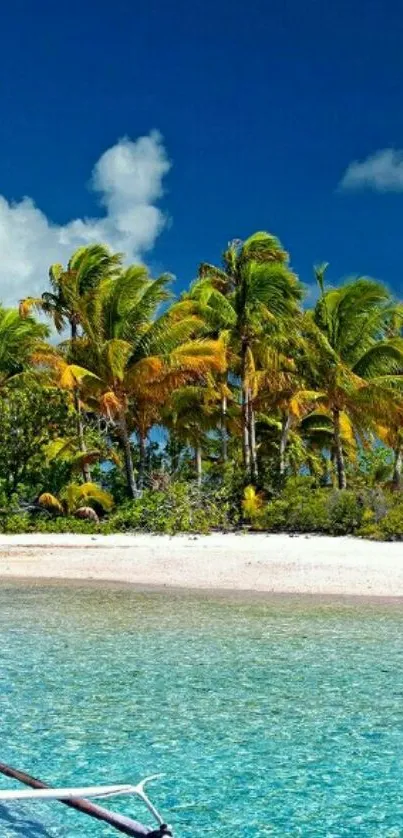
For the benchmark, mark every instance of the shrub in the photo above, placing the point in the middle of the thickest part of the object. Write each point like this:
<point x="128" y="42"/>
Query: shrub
<point x="300" y="508"/>
<point x="309" y="513"/>
<point x="345" y="512"/>
<point x="391" y="526"/>
<point x="181" y="508"/>
<point x="66" y="525"/>
<point x="14" y="524"/>
<point x="274" y="517"/>
<point x="371" y="531"/>
<point x="17" y="524"/>
<point x="303" y="508"/>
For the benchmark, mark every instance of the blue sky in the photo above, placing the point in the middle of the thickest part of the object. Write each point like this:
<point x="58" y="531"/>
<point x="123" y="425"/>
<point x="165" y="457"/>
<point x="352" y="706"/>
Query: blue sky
<point x="262" y="108"/>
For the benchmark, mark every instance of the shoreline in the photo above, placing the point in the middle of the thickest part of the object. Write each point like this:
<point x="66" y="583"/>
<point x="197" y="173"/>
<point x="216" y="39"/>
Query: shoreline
<point x="225" y="595"/>
<point x="255" y="564"/>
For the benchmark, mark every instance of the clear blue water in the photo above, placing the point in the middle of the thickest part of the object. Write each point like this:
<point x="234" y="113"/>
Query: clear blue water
<point x="276" y="717"/>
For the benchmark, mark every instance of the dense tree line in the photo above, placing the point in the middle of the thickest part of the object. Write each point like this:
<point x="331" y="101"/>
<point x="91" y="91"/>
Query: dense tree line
<point x="243" y="383"/>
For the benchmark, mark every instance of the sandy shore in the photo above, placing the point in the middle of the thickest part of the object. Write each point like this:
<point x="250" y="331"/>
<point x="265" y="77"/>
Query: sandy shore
<point x="260" y="563"/>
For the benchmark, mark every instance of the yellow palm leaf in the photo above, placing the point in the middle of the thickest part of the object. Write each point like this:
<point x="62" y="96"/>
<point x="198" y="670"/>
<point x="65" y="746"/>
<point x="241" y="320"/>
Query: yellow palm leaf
<point x="252" y="502"/>
<point x="303" y="401"/>
<point x="50" y="502"/>
<point x="145" y="371"/>
<point x="26" y="305"/>
<point x="110" y="404"/>
<point x="347" y="430"/>
<point x="93" y="492"/>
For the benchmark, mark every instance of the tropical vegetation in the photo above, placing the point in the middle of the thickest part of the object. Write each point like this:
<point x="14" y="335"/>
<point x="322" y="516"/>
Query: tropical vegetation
<point x="234" y="404"/>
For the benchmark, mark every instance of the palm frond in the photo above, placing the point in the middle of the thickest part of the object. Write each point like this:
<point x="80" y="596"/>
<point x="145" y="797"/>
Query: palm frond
<point x="263" y="247"/>
<point x="50" y="502"/>
<point x="92" y="493"/>
<point x="381" y="358"/>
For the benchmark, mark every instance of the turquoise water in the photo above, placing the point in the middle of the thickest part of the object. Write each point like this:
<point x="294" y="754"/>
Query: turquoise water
<point x="268" y="717"/>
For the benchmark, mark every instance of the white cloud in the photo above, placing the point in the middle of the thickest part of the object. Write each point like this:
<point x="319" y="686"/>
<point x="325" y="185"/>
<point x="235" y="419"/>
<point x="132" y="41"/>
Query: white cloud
<point x="128" y="178"/>
<point x="381" y="171"/>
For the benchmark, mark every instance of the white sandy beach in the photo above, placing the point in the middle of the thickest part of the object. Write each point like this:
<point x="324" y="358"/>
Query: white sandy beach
<point x="259" y="563"/>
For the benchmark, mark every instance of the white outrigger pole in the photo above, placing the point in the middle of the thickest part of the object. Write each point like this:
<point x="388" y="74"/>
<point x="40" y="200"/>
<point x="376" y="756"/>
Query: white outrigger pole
<point x="78" y="798"/>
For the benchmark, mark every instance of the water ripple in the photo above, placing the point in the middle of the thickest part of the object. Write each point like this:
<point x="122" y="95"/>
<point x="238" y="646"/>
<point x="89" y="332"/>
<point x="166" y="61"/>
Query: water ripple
<point x="268" y="718"/>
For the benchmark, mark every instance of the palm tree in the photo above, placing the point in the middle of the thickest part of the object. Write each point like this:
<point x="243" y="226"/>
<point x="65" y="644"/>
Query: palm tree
<point x="67" y="450"/>
<point x="391" y="435"/>
<point x="191" y="412"/>
<point x="18" y="339"/>
<point x="85" y="269"/>
<point x="316" y="432"/>
<point x="62" y="304"/>
<point x="129" y="354"/>
<point x="283" y="397"/>
<point x="218" y="313"/>
<point x="143" y="414"/>
<point x="78" y="499"/>
<point x="359" y="357"/>
<point x="256" y="295"/>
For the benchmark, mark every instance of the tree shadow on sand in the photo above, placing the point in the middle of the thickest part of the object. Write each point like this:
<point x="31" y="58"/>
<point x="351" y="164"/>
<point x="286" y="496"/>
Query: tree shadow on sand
<point x="21" y="826"/>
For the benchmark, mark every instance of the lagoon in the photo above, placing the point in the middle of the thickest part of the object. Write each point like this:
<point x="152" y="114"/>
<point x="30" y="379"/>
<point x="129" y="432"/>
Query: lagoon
<point x="268" y="716"/>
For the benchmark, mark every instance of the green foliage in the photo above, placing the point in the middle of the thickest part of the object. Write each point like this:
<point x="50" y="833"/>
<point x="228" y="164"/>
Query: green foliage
<point x="85" y="270"/>
<point x="18" y="338"/>
<point x="302" y="507"/>
<point x="387" y="527"/>
<point x="345" y="512"/>
<point x="181" y="508"/>
<point x="17" y="524"/>
<point x="249" y="389"/>
<point x="31" y="415"/>
<point x="374" y="467"/>
<point x="81" y="500"/>
<point x="274" y="517"/>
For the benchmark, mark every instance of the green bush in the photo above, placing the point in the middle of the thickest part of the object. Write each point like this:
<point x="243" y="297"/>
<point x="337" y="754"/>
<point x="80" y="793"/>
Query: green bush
<point x="309" y="513"/>
<point x="345" y="512"/>
<point x="66" y="525"/>
<point x="376" y="503"/>
<point x="390" y="528"/>
<point x="274" y="516"/>
<point x="304" y="508"/>
<point x="17" y="524"/>
<point x="181" y="508"/>
<point x="301" y="507"/>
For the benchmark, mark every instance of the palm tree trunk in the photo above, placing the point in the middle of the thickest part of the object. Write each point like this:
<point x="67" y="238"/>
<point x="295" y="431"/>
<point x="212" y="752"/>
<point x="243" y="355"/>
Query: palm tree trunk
<point x="340" y="464"/>
<point x="224" y="440"/>
<point x="245" y="416"/>
<point x="128" y="458"/>
<point x="246" y="439"/>
<point x="333" y="468"/>
<point x="199" y="465"/>
<point x="252" y="439"/>
<point x="397" y="467"/>
<point x="285" y="432"/>
<point x="86" y="471"/>
<point x="142" y="462"/>
<point x="81" y="440"/>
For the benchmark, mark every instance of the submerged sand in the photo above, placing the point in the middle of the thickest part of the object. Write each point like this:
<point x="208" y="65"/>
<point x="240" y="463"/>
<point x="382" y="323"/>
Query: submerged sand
<point x="233" y="562"/>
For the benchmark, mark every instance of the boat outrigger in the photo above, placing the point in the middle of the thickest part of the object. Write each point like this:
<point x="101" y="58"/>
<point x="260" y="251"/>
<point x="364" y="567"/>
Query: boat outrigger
<point x="78" y="798"/>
